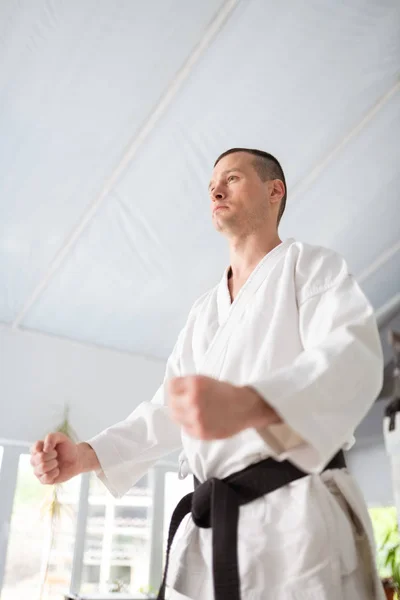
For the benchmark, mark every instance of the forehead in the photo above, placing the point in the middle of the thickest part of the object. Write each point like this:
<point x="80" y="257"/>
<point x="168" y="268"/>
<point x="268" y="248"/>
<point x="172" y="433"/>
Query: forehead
<point x="236" y="160"/>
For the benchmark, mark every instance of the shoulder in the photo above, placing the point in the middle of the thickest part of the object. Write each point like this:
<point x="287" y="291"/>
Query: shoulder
<point x="199" y="308"/>
<point x="203" y="302"/>
<point x="317" y="269"/>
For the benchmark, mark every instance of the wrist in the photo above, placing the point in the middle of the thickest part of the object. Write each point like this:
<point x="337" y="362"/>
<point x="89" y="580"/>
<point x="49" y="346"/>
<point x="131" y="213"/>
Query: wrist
<point x="87" y="458"/>
<point x="260" y="414"/>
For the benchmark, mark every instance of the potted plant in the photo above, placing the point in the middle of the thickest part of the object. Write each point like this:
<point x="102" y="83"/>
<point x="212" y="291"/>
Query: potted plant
<point x="391" y="549"/>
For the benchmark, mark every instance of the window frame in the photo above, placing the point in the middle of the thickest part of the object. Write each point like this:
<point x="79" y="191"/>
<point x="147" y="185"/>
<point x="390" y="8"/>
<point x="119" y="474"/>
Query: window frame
<point x="12" y="450"/>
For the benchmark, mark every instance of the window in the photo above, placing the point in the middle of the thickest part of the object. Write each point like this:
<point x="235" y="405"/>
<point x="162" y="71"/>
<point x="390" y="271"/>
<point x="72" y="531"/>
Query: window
<point x="117" y="543"/>
<point x="37" y="555"/>
<point x="111" y="540"/>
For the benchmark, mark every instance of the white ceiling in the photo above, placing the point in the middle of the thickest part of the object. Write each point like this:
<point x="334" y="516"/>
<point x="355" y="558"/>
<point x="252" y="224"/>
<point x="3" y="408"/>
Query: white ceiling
<point x="112" y="113"/>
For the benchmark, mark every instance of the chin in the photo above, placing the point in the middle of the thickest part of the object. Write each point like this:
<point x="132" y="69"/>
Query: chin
<point x="224" y="223"/>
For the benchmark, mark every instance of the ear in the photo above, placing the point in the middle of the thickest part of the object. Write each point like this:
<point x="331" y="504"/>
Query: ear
<point x="277" y="191"/>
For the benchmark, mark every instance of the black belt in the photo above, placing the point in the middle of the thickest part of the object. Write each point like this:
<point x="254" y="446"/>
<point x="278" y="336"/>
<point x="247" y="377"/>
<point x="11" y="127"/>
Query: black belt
<point x="215" y="503"/>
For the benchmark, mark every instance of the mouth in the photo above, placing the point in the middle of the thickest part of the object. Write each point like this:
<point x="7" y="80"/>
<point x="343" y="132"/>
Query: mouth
<point x="218" y="208"/>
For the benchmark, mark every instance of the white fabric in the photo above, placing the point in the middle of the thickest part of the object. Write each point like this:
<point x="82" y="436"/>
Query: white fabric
<point x="301" y="333"/>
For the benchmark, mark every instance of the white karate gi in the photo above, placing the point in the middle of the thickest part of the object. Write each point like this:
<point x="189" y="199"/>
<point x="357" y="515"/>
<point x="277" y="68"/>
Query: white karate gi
<point x="301" y="333"/>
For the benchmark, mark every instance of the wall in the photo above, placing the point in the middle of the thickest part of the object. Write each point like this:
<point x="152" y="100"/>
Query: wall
<point x="40" y="373"/>
<point x="368" y="461"/>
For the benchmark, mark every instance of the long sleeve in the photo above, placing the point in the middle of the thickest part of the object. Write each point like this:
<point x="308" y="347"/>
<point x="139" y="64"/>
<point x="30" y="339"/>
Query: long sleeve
<point x="127" y="450"/>
<point x="329" y="388"/>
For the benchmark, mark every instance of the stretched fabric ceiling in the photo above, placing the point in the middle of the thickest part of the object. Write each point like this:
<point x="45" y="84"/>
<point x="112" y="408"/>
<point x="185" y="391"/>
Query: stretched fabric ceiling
<point x="112" y="113"/>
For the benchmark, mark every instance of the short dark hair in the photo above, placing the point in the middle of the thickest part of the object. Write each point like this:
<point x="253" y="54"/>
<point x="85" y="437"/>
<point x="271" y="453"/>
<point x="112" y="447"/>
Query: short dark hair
<point x="267" y="167"/>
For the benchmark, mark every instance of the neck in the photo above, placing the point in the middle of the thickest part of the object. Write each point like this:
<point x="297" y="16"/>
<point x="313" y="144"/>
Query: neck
<point x="246" y="252"/>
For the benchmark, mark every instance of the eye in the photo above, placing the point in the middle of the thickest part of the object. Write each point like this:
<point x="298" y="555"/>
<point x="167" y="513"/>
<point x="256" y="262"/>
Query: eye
<point x="232" y="178"/>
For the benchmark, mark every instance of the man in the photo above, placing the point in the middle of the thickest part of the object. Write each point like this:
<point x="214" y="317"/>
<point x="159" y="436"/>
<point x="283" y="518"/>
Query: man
<point x="275" y="368"/>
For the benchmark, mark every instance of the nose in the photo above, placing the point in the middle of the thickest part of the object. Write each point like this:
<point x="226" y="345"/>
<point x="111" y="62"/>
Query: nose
<point x="217" y="194"/>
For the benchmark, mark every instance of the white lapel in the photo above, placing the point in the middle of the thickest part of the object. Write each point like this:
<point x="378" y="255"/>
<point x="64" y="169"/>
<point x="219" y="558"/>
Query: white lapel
<point x="230" y="314"/>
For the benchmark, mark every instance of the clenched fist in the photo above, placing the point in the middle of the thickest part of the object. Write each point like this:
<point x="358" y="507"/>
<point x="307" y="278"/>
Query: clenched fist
<point x="55" y="459"/>
<point x="209" y="409"/>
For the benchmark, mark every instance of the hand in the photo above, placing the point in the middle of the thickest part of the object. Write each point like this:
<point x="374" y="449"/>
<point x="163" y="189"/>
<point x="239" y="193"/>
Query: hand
<point x="209" y="409"/>
<point x="56" y="459"/>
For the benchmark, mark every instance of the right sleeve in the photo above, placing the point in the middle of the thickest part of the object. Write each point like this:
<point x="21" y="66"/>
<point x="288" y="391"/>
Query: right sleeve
<point x="127" y="450"/>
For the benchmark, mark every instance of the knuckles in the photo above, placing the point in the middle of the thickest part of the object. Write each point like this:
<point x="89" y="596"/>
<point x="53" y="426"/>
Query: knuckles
<point x="189" y="404"/>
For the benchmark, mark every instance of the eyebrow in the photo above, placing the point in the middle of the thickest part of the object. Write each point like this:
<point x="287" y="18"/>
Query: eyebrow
<point x="225" y="173"/>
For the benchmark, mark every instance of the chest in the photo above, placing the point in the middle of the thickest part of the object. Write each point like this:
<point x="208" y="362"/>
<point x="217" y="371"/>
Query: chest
<point x="263" y="335"/>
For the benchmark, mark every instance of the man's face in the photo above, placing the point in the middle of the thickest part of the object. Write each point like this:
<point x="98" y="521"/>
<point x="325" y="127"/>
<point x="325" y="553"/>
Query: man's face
<point x="239" y="199"/>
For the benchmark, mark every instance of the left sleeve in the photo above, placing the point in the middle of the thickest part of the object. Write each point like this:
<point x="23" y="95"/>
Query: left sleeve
<point x="330" y="387"/>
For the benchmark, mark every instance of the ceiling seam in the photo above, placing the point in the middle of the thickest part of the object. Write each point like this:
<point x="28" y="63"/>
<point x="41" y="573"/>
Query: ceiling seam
<point x="82" y="343"/>
<point x="384" y="314"/>
<point x="388" y="311"/>
<point x="147" y="127"/>
<point x="378" y="262"/>
<point x="319" y="167"/>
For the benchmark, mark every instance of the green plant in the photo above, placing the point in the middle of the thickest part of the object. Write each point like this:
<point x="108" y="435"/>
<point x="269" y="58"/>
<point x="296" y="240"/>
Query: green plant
<point x="392" y="561"/>
<point x="390" y="548"/>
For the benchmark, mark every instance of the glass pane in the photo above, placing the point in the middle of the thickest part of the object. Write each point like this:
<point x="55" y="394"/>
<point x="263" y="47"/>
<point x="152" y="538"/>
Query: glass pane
<point x="39" y="556"/>
<point x="1" y="455"/>
<point x="117" y="553"/>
